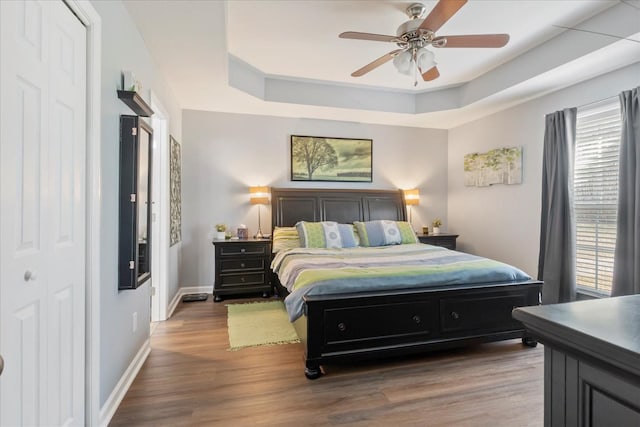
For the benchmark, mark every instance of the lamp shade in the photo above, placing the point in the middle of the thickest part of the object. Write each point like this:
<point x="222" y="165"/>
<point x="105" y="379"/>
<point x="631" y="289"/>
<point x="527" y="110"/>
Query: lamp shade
<point x="259" y="195"/>
<point x="412" y="197"/>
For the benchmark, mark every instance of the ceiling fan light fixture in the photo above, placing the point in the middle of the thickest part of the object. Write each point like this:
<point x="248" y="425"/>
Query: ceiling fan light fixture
<point x="425" y="59"/>
<point x="403" y="62"/>
<point x="412" y="36"/>
<point x="408" y="63"/>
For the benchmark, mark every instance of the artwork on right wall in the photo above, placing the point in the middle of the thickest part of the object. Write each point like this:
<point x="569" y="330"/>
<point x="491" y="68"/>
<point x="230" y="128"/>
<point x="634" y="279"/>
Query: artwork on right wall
<point x="497" y="166"/>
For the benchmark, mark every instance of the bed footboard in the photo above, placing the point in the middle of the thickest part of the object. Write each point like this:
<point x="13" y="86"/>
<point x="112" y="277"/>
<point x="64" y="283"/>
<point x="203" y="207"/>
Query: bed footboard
<point x="339" y="328"/>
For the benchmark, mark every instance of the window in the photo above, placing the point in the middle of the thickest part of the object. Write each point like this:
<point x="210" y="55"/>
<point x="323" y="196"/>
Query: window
<point x="596" y="194"/>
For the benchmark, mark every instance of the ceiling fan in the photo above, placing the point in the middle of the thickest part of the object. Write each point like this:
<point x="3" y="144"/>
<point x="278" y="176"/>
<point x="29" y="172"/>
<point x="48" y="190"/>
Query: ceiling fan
<point x="414" y="35"/>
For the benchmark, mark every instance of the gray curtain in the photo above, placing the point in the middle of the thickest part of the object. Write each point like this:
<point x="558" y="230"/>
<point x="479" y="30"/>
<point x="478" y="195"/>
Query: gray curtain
<point x="556" y="263"/>
<point x="626" y="269"/>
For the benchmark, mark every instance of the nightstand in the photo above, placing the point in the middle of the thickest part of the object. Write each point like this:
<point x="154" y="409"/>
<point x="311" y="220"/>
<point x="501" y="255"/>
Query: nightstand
<point x="242" y="267"/>
<point x="445" y="240"/>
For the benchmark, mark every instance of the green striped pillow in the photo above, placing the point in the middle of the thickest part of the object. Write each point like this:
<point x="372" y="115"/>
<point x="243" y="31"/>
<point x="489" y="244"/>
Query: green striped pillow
<point x="285" y="238"/>
<point x="326" y="234"/>
<point x="407" y="233"/>
<point x="385" y="232"/>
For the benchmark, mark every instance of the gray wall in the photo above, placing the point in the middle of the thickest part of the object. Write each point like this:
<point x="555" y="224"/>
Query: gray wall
<point x="503" y="221"/>
<point x="224" y="154"/>
<point x="122" y="49"/>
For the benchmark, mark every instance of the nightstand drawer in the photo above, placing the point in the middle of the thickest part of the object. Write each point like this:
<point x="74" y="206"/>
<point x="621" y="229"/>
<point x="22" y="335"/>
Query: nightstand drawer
<point x="247" y="279"/>
<point x="235" y="264"/>
<point x="243" y="249"/>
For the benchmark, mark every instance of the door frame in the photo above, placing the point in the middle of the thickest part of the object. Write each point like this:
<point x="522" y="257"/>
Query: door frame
<point x="160" y="225"/>
<point x="93" y="24"/>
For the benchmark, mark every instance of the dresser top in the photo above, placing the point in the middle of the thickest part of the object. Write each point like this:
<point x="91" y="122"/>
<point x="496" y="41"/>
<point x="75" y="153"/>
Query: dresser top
<point x="249" y="240"/>
<point x="607" y="328"/>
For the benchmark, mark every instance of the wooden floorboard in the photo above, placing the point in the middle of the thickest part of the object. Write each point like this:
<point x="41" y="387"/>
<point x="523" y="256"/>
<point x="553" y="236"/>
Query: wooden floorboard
<point x="191" y="378"/>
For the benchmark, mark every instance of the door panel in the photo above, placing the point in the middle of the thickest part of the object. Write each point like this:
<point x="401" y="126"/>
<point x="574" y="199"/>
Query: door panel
<point x="25" y="402"/>
<point x="62" y="343"/>
<point x="29" y="31"/>
<point x="23" y="173"/>
<point x="42" y="222"/>
<point x="28" y="154"/>
<point x="66" y="207"/>
<point x="62" y="193"/>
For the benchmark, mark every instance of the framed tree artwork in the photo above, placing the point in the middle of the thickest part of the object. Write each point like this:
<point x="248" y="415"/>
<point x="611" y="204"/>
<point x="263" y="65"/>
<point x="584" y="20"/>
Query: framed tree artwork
<point x="315" y="158"/>
<point x="497" y="166"/>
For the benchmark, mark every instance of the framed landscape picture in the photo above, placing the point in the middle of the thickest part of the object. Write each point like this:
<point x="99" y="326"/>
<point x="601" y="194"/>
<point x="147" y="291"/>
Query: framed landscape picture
<point x="497" y="166"/>
<point x="315" y="158"/>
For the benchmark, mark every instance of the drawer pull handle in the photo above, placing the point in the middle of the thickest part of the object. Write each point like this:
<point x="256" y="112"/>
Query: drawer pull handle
<point x="242" y="265"/>
<point x="342" y="327"/>
<point x="417" y="319"/>
<point x="242" y="250"/>
<point x="242" y="279"/>
<point x="455" y="315"/>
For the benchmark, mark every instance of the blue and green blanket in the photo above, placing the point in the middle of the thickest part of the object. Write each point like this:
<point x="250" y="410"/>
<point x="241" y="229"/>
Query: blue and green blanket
<point x="320" y="271"/>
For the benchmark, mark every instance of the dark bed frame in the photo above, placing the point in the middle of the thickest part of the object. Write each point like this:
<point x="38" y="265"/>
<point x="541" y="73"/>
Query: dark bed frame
<point x="344" y="327"/>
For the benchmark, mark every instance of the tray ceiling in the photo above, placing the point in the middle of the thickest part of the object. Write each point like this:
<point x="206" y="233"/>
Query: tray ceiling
<point x="285" y="58"/>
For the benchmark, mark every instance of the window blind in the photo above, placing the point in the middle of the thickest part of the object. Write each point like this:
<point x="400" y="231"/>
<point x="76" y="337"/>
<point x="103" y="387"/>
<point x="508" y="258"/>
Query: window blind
<point x="595" y="186"/>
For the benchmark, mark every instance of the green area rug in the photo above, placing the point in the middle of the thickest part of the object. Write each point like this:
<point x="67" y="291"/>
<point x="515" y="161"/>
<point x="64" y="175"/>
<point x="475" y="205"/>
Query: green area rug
<point x="259" y="323"/>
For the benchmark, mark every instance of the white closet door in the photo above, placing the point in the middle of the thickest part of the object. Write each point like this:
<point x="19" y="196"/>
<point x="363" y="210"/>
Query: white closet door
<point x="42" y="206"/>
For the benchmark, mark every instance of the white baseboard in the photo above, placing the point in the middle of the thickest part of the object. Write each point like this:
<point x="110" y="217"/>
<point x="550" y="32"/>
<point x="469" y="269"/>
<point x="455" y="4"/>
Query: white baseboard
<point x="120" y="390"/>
<point x="185" y="291"/>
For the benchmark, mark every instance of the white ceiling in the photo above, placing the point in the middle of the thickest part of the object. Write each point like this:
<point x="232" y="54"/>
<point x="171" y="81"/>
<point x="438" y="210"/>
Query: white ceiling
<point x="284" y="58"/>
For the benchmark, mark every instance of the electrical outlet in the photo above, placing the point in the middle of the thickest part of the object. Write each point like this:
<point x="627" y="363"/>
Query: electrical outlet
<point x="134" y="322"/>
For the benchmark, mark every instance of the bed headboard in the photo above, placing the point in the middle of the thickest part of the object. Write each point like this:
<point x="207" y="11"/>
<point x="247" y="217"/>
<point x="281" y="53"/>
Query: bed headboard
<point x="290" y="205"/>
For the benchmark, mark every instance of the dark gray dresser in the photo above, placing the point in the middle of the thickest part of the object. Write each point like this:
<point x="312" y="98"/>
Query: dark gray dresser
<point x="591" y="360"/>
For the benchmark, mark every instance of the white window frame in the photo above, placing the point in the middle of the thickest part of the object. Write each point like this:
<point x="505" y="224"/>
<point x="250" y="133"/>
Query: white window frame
<point x="595" y="194"/>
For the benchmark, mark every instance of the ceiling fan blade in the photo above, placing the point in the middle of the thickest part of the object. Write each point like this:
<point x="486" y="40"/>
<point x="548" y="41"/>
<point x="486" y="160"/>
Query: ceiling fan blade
<point x="431" y="74"/>
<point x="367" y="36"/>
<point x="375" y="64"/>
<point x="440" y="14"/>
<point x="472" y="40"/>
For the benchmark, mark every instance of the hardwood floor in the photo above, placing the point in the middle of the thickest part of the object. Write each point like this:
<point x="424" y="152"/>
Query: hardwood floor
<point x="191" y="378"/>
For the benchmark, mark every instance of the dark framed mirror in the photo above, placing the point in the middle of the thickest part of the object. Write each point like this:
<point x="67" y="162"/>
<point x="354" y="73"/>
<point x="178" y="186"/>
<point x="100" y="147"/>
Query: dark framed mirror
<point x="134" y="240"/>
